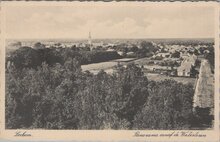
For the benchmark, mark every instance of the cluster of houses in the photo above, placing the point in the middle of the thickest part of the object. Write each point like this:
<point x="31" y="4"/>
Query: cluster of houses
<point x="185" y="60"/>
<point x="184" y="70"/>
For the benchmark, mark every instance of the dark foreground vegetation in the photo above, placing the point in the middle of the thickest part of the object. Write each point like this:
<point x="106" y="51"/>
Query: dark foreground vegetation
<point x="56" y="94"/>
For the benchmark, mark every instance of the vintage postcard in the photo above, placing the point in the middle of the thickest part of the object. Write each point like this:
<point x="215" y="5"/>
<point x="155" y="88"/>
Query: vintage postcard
<point x="109" y="71"/>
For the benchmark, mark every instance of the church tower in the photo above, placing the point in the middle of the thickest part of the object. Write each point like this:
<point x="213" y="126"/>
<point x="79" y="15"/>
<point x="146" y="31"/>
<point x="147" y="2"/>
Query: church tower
<point x="90" y="40"/>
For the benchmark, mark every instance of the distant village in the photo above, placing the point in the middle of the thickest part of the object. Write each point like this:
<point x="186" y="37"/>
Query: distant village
<point x="170" y="59"/>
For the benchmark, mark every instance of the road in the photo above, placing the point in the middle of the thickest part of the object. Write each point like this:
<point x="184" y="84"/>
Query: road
<point x="204" y="92"/>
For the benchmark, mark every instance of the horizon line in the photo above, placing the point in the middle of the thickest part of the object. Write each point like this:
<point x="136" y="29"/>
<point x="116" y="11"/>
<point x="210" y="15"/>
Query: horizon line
<point x="110" y="38"/>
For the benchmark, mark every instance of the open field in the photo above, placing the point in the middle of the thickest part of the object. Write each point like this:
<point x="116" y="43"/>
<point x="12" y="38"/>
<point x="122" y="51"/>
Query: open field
<point x="124" y="60"/>
<point x="142" y="61"/>
<point x="98" y="66"/>
<point x="107" y="66"/>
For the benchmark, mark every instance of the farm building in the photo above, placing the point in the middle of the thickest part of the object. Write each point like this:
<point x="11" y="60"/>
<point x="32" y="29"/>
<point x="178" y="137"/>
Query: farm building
<point x="110" y="49"/>
<point x="191" y="59"/>
<point x="186" y="66"/>
<point x="130" y="53"/>
<point x="184" y="69"/>
<point x="162" y="55"/>
<point x="171" y="71"/>
<point x="120" y="53"/>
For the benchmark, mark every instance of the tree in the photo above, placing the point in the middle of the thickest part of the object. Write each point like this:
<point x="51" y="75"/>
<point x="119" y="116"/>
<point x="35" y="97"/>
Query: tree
<point x="193" y="72"/>
<point x="131" y="90"/>
<point x="146" y="49"/>
<point x="176" y="54"/>
<point x="133" y="49"/>
<point x="211" y="57"/>
<point x="25" y="57"/>
<point x="169" y="107"/>
<point x="38" y="45"/>
<point x="202" y="118"/>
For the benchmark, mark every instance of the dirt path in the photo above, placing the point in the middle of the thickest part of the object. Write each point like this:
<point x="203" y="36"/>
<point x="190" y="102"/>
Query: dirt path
<point x="204" y="92"/>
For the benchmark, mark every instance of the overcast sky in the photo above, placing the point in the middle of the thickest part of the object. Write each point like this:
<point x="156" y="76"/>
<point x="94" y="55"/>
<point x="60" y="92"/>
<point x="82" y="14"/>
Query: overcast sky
<point x="109" y="21"/>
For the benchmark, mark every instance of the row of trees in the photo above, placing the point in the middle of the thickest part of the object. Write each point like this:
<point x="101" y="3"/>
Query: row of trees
<point x="210" y="56"/>
<point x="184" y="42"/>
<point x="145" y="49"/>
<point x="31" y="58"/>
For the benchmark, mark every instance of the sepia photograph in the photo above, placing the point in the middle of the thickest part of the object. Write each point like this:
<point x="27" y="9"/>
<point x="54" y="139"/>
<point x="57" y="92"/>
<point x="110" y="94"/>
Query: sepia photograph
<point x="107" y="66"/>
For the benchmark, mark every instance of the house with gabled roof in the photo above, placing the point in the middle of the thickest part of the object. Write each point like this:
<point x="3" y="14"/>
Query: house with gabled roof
<point x="185" y="68"/>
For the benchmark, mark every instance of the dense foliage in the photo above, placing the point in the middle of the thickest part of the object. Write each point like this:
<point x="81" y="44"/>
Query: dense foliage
<point x="169" y="106"/>
<point x="47" y="89"/>
<point x="64" y="97"/>
<point x="32" y="57"/>
<point x="145" y="49"/>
